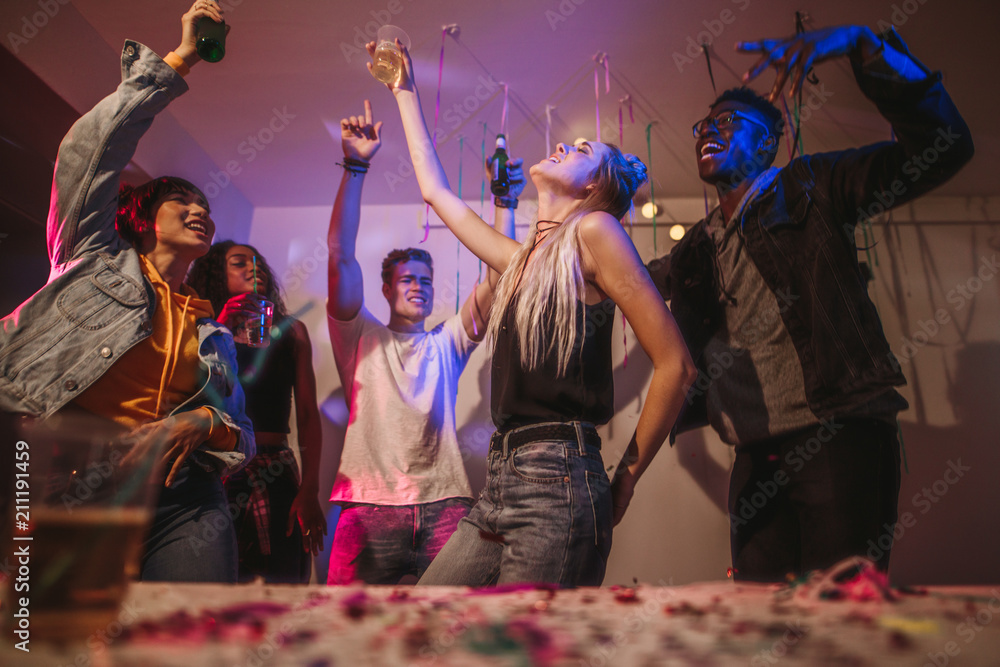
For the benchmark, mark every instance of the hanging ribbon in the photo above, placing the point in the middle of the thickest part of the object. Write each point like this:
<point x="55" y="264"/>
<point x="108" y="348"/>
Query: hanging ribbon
<point x="548" y="129"/>
<point x="621" y="126"/>
<point x="458" y="244"/>
<point x="800" y="28"/>
<point x="482" y="193"/>
<point x="600" y="58"/>
<point x="790" y="138"/>
<point x="649" y="170"/>
<point x="437" y="112"/>
<point x="708" y="61"/>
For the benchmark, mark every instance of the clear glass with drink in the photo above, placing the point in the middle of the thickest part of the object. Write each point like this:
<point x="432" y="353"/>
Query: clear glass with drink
<point x="84" y="502"/>
<point x="253" y="326"/>
<point x="388" y="59"/>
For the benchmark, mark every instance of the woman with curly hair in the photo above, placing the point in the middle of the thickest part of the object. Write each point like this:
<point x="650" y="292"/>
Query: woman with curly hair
<point x="548" y="507"/>
<point x="279" y="522"/>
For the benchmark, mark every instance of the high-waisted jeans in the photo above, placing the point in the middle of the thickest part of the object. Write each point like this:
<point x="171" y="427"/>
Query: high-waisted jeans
<point x="544" y="516"/>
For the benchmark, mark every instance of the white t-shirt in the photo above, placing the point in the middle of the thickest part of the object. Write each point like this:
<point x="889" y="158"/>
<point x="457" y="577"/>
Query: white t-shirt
<point x="401" y="447"/>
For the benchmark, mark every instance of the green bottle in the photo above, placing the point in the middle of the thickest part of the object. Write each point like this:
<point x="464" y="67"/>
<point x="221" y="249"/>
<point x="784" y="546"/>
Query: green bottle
<point x="500" y="180"/>
<point x="211" y="39"/>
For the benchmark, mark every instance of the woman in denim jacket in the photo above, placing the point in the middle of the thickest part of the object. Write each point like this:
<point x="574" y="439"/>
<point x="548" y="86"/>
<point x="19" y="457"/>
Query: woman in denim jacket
<point x="114" y="332"/>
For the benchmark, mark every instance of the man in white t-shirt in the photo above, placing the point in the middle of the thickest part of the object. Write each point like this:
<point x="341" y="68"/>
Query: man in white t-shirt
<point x="401" y="483"/>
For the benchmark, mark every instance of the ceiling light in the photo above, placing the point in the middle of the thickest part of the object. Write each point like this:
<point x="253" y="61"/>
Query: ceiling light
<point x="649" y="209"/>
<point x="677" y="232"/>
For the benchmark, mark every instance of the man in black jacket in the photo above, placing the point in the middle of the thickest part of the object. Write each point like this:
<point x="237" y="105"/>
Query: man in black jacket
<point x="794" y="368"/>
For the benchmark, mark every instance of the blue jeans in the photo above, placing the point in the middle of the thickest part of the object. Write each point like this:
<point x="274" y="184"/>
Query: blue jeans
<point x="380" y="544"/>
<point x="544" y="516"/>
<point x="192" y="536"/>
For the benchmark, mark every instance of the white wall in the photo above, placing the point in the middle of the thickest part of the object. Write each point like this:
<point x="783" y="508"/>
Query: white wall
<point x="677" y="530"/>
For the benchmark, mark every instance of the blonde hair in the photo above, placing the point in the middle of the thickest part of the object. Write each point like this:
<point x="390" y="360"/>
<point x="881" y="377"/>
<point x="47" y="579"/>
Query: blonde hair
<point x="554" y="280"/>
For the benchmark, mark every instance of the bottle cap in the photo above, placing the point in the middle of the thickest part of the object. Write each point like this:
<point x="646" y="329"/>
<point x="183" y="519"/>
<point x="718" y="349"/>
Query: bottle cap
<point x="501" y="141"/>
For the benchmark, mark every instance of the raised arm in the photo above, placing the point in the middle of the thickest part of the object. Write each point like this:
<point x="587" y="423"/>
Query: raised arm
<point x="360" y="140"/>
<point x="101" y="143"/>
<point x="932" y="141"/>
<point x="476" y="310"/>
<point x="611" y="263"/>
<point x="482" y="240"/>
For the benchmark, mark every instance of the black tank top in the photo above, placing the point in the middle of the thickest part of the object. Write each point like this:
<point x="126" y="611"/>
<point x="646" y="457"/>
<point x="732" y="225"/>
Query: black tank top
<point x="268" y="375"/>
<point x="585" y="392"/>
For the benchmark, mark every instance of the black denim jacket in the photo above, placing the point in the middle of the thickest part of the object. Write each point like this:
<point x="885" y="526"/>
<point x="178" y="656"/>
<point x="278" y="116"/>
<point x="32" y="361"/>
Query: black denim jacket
<point x="799" y="232"/>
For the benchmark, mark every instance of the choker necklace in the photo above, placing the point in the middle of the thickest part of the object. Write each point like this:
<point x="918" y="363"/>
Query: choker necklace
<point x="540" y="232"/>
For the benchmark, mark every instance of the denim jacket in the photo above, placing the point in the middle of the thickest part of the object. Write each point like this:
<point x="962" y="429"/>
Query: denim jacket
<point x="799" y="232"/>
<point x="97" y="303"/>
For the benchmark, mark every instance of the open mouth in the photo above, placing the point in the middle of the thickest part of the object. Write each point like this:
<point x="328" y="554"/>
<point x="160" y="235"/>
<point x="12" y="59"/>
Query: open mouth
<point x="554" y="158"/>
<point x="710" y="148"/>
<point x="197" y="226"/>
<point x="418" y="300"/>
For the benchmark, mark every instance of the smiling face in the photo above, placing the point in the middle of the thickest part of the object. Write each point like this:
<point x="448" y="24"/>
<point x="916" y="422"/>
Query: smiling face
<point x="410" y="292"/>
<point x="182" y="224"/>
<point x="240" y="271"/>
<point x="738" y="150"/>
<point x="571" y="169"/>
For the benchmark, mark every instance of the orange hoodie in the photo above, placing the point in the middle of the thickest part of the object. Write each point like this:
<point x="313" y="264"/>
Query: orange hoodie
<point x="162" y="371"/>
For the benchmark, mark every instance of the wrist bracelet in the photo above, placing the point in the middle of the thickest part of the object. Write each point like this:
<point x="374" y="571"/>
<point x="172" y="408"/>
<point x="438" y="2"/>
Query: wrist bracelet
<point x="354" y="162"/>
<point x="353" y="166"/>
<point x="505" y="202"/>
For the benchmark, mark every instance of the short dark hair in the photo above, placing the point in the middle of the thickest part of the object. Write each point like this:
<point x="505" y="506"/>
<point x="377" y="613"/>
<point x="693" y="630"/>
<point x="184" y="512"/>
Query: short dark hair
<point x="406" y="255"/>
<point x="135" y="205"/>
<point x="752" y="99"/>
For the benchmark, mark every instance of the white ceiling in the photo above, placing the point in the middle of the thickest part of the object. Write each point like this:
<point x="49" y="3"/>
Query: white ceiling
<point x="296" y="61"/>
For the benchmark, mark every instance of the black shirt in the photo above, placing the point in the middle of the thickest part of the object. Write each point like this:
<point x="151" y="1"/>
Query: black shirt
<point x="584" y="393"/>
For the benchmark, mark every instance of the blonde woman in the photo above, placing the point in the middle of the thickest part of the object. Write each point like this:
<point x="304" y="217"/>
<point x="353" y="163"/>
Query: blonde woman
<point x="548" y="507"/>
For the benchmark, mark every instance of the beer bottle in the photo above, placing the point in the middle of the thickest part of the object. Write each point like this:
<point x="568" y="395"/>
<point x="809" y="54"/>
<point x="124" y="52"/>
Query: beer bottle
<point x="500" y="181"/>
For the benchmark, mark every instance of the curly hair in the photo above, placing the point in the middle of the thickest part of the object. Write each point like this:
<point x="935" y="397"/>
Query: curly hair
<point x="209" y="277"/>
<point x="401" y="256"/>
<point x="136" y="214"/>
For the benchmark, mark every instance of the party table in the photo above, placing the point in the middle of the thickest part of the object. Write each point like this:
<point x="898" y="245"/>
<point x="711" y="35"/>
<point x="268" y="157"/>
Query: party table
<point x="816" y="622"/>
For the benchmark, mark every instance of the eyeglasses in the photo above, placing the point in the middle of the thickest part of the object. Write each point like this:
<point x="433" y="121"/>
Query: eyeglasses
<point x="724" y="120"/>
